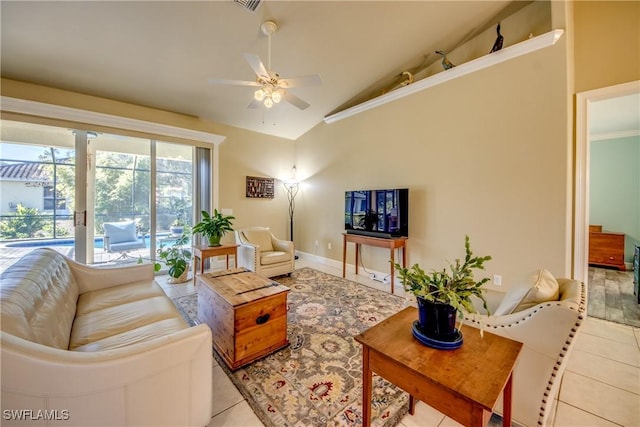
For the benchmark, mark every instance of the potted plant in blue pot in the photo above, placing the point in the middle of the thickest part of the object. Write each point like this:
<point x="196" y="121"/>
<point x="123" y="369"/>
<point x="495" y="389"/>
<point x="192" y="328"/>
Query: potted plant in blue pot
<point x="441" y="295"/>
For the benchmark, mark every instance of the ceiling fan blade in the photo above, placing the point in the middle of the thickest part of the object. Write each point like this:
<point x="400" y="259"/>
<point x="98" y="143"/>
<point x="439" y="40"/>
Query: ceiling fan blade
<point x="233" y="82"/>
<point x="312" y="80"/>
<point x="257" y="65"/>
<point x="254" y="104"/>
<point x="295" y="101"/>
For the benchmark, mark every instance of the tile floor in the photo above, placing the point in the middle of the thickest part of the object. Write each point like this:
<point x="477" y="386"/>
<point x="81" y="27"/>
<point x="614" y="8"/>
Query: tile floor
<point x="611" y="296"/>
<point x="601" y="386"/>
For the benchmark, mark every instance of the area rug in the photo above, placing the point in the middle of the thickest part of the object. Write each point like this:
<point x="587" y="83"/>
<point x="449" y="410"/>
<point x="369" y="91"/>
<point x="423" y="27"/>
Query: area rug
<point x="317" y="379"/>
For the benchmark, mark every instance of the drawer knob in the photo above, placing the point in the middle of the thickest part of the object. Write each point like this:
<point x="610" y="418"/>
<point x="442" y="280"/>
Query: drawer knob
<point x="261" y="320"/>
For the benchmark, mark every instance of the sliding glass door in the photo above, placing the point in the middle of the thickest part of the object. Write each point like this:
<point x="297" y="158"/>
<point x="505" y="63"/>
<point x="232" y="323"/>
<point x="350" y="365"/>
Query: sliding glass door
<point x="119" y="197"/>
<point x="174" y="188"/>
<point x="64" y="189"/>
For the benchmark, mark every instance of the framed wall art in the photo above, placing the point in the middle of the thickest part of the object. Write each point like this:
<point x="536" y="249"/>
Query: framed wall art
<point x="260" y="188"/>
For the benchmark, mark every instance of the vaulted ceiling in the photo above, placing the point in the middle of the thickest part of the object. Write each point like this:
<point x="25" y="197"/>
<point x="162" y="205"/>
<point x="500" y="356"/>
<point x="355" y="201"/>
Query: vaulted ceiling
<point x="162" y="54"/>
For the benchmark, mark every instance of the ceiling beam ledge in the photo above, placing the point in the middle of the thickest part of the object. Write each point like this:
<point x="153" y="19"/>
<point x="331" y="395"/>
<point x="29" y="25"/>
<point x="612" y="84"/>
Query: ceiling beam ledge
<point x="510" y="52"/>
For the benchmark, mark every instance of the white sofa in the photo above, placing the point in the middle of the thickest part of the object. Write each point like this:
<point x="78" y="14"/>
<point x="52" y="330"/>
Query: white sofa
<point x="99" y="347"/>
<point x="544" y="314"/>
<point x="261" y="252"/>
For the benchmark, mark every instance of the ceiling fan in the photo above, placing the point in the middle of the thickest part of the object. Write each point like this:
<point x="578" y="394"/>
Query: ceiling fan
<point x="272" y="88"/>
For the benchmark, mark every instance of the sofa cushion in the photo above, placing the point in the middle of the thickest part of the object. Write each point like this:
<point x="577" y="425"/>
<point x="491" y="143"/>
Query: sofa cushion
<point x="144" y="333"/>
<point x="260" y="237"/>
<point x="274" y="257"/>
<point x="111" y="321"/>
<point x="89" y="302"/>
<point x="38" y="296"/>
<point x="537" y="288"/>
<point x="120" y="232"/>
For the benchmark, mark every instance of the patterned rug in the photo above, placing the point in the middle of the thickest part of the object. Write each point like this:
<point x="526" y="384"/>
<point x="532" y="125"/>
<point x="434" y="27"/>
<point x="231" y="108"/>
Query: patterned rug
<point x="317" y="379"/>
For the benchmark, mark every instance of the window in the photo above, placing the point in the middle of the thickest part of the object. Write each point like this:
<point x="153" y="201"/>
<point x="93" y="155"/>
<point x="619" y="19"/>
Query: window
<point x="53" y="200"/>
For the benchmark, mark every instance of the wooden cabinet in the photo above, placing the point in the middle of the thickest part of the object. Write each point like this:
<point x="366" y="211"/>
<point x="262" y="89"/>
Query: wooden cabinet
<point x="606" y="248"/>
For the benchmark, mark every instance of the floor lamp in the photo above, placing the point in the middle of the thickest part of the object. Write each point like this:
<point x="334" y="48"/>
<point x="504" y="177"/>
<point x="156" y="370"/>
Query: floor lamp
<point x="292" y="190"/>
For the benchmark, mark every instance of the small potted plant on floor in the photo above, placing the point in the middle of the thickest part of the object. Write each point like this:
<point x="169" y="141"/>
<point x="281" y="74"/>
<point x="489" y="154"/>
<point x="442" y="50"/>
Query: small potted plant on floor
<point x="177" y="258"/>
<point x="213" y="227"/>
<point x="442" y="294"/>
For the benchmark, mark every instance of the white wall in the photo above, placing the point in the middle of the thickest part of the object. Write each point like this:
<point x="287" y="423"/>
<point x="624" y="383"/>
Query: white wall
<point x="487" y="155"/>
<point x="17" y="192"/>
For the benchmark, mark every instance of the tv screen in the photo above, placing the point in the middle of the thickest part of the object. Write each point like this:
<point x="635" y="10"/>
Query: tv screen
<point x="380" y="213"/>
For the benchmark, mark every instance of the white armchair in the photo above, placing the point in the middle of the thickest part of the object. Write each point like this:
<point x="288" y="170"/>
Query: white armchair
<point x="547" y="329"/>
<point x="260" y="251"/>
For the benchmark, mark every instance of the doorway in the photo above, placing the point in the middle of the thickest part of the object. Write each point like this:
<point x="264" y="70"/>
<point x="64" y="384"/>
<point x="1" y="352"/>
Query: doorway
<point x="585" y="102"/>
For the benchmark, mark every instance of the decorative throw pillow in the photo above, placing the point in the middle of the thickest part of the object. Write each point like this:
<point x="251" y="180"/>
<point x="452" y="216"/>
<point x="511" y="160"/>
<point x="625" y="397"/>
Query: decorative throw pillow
<point x="537" y="288"/>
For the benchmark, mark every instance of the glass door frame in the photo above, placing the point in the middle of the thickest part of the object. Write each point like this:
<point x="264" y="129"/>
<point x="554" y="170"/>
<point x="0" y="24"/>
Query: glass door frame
<point x="206" y="177"/>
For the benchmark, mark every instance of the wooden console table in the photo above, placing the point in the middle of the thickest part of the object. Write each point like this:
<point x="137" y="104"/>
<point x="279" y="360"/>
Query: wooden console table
<point x="392" y="244"/>
<point x="464" y="383"/>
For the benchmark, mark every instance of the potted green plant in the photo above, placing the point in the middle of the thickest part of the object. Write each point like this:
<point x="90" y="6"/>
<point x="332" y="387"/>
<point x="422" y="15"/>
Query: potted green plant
<point x="176" y="257"/>
<point x="213" y="227"/>
<point x="443" y="293"/>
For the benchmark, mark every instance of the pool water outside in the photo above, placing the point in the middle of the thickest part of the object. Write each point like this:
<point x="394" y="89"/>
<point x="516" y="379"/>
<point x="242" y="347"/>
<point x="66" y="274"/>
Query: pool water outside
<point x="164" y="238"/>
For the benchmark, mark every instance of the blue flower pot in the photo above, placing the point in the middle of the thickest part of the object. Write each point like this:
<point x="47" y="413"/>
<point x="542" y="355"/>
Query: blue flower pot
<point x="436" y="320"/>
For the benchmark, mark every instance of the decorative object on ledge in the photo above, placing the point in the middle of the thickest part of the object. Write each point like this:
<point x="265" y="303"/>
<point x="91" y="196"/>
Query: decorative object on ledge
<point x="408" y="79"/>
<point x="260" y="188"/>
<point x="497" y="45"/>
<point x="446" y="64"/>
<point x="510" y="52"/>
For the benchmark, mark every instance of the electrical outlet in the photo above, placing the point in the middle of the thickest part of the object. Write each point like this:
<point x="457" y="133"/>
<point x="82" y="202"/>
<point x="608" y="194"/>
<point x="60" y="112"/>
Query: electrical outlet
<point x="329" y="246"/>
<point x="497" y="280"/>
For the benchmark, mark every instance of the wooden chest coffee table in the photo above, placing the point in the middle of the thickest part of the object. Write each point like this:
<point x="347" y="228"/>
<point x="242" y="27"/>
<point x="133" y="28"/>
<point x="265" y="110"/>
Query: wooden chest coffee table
<point x="247" y="314"/>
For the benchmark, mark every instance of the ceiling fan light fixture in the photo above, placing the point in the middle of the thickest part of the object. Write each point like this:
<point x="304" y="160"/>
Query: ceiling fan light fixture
<point x="271" y="88"/>
<point x="259" y="95"/>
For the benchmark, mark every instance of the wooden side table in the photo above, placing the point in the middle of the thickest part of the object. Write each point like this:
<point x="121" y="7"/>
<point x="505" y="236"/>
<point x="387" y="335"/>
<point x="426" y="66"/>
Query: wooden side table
<point x="202" y="252"/>
<point x="391" y="244"/>
<point x="464" y="383"/>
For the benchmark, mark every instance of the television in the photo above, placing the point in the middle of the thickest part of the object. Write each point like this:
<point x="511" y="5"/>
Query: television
<point x="377" y="213"/>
